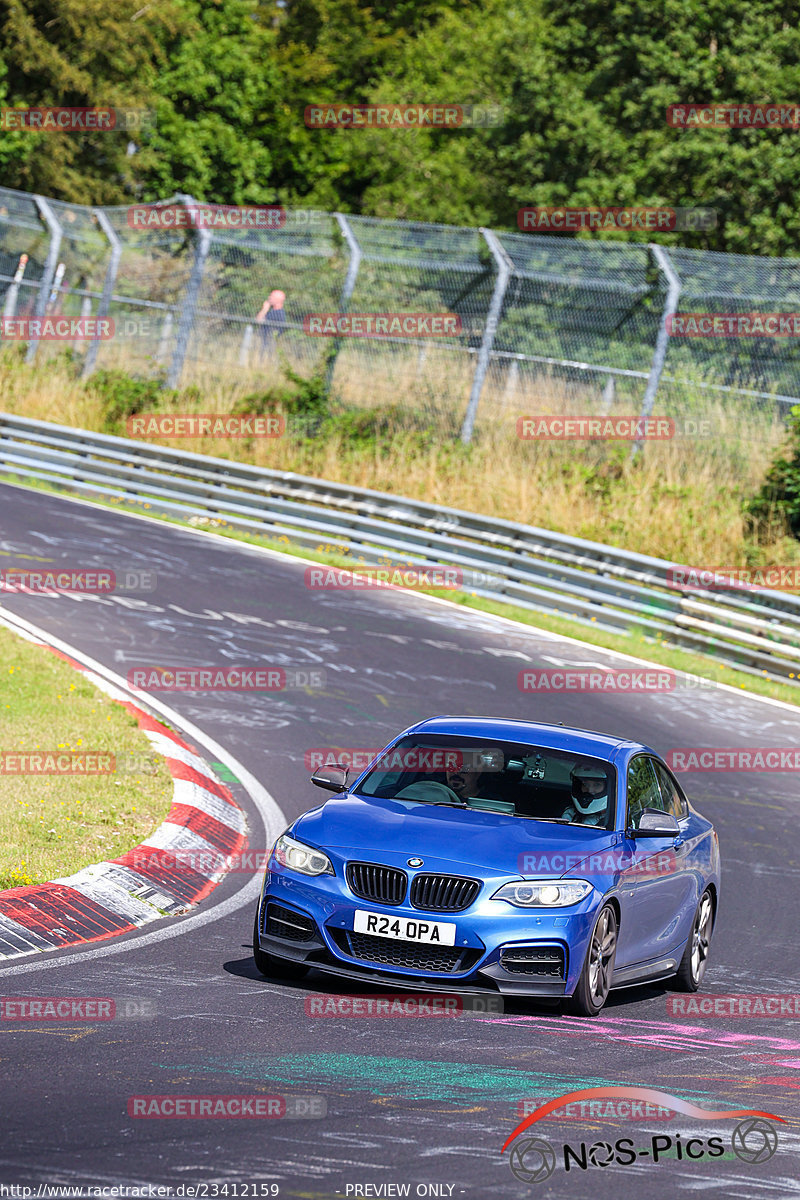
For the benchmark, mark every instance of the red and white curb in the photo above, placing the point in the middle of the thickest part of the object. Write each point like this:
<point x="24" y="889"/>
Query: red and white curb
<point x="204" y="828"/>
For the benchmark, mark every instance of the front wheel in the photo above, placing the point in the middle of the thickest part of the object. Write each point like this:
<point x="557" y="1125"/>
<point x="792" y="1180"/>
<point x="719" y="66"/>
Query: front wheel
<point x="274" y="968"/>
<point x="690" y="973"/>
<point x="595" y="980"/>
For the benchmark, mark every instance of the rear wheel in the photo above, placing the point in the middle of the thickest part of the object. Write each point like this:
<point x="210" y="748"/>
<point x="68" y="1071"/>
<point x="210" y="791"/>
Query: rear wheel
<point x="595" y="980"/>
<point x="274" y="968"/>
<point x="690" y="973"/>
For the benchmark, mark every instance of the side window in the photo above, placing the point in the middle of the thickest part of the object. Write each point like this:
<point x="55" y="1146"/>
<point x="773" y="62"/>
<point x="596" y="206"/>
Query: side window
<point x="643" y="789"/>
<point x="674" y="802"/>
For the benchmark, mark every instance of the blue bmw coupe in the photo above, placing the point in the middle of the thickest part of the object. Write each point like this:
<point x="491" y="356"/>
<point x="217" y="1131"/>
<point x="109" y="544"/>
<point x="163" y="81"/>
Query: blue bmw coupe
<point x="480" y="854"/>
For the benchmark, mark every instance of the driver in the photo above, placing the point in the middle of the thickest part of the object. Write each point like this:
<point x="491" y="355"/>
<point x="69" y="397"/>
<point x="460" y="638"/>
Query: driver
<point x="469" y="779"/>
<point x="589" y="804"/>
<point x="465" y="783"/>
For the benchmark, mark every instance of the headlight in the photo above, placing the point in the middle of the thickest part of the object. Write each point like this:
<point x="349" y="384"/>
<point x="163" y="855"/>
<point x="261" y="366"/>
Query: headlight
<point x="298" y="857"/>
<point x="544" y="893"/>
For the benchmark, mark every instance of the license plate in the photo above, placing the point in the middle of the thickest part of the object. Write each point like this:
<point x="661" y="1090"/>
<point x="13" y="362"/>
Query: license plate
<point x="406" y="929"/>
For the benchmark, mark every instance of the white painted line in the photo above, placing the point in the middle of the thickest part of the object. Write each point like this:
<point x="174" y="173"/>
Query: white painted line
<point x="170" y="749"/>
<point x="93" y="883"/>
<point x="26" y="940"/>
<point x="206" y="802"/>
<point x="174" y="838"/>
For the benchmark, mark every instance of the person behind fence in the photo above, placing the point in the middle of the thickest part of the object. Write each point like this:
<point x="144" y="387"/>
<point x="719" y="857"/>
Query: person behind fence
<point x="271" y="319"/>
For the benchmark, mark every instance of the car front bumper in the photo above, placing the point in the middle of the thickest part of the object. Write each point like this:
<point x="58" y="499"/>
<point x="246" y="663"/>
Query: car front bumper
<point x="498" y="948"/>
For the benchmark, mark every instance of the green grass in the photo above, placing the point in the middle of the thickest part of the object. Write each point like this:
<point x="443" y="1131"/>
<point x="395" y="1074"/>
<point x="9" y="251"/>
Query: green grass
<point x="635" y="643"/>
<point x="52" y="825"/>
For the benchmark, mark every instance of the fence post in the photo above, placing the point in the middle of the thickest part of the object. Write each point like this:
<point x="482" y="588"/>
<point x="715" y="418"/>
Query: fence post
<point x="108" y="287"/>
<point x="244" y="347"/>
<point x="10" y="301"/>
<point x="609" y="396"/>
<point x="504" y="269"/>
<point x="512" y="381"/>
<point x="50" y="265"/>
<point x="347" y="289"/>
<point x="164" y="337"/>
<point x="662" y="341"/>
<point x="202" y="247"/>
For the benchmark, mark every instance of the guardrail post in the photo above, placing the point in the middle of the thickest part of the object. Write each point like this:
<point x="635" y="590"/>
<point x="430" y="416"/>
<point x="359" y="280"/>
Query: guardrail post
<point x="347" y="289"/>
<point x="662" y="341"/>
<point x="504" y="269"/>
<point x="202" y="247"/>
<point x="50" y="266"/>
<point x="108" y="287"/>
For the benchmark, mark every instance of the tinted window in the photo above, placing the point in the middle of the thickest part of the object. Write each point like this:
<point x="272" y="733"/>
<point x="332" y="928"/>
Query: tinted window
<point x="674" y="803"/>
<point x="513" y="778"/>
<point x="643" y="789"/>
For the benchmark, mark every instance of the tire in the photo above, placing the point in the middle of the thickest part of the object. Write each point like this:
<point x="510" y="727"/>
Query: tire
<point x="690" y="973"/>
<point x="595" y="979"/>
<point x="271" y="967"/>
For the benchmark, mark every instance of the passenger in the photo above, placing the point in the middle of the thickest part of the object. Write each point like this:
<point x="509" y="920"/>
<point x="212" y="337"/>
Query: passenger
<point x="590" y="786"/>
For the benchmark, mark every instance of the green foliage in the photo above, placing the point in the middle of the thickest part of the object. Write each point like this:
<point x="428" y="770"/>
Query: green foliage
<point x="584" y="91"/>
<point x="306" y="402"/>
<point x="123" y="396"/>
<point x="79" y="53"/>
<point x="778" y="501"/>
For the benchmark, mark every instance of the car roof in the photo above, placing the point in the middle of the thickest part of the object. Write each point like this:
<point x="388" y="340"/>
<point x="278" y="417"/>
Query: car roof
<point x="554" y="737"/>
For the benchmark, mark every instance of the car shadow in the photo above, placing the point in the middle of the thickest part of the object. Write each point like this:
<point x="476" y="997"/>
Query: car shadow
<point x="515" y="1006"/>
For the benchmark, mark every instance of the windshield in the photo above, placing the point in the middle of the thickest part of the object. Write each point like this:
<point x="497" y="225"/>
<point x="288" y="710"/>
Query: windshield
<point x="515" y="778"/>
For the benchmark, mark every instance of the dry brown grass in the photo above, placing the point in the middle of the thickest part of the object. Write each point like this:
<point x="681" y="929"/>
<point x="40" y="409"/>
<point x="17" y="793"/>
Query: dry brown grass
<point x="682" y="499"/>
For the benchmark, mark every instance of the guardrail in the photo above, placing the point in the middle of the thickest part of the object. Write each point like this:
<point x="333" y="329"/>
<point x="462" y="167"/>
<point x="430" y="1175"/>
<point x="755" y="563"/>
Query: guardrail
<point x="757" y="631"/>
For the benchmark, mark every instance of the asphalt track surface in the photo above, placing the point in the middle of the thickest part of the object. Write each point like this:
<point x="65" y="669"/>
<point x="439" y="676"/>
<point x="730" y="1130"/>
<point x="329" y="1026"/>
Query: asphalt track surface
<point x="420" y="1102"/>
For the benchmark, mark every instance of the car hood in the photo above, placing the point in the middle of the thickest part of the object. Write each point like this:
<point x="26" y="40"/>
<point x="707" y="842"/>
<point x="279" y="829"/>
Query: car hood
<point x="359" y="826"/>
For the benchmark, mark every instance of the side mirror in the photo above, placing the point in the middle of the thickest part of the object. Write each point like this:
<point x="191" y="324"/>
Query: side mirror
<point x="654" y="823"/>
<point x="332" y="778"/>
